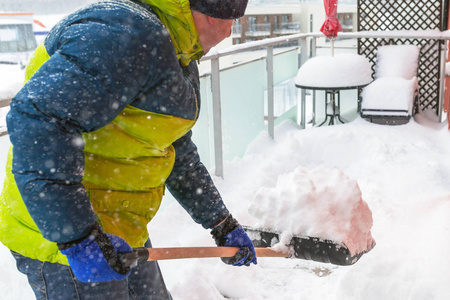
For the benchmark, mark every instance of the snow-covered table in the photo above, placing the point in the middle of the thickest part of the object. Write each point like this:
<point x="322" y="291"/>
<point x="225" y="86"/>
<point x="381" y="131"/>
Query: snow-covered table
<point x="332" y="74"/>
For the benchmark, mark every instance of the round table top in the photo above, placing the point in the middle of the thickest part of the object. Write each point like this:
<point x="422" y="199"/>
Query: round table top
<point x="339" y="72"/>
<point x="351" y="87"/>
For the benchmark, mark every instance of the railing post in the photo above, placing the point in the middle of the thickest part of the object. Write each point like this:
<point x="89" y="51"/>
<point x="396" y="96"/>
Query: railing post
<point x="313" y="46"/>
<point x="270" y="101"/>
<point x="304" y="51"/>
<point x="441" y="97"/>
<point x="313" y="54"/>
<point x="303" y="57"/>
<point x="217" y="116"/>
<point x="303" y="109"/>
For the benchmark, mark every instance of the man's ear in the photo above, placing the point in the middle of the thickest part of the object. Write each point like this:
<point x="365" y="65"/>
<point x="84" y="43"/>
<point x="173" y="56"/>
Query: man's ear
<point x="210" y="20"/>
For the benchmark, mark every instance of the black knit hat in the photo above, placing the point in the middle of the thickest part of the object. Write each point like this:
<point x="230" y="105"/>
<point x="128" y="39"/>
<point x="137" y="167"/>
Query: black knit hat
<point x="220" y="9"/>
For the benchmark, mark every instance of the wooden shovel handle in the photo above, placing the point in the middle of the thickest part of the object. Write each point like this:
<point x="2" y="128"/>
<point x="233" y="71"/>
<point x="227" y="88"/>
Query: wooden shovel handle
<point x="201" y="252"/>
<point x="143" y="254"/>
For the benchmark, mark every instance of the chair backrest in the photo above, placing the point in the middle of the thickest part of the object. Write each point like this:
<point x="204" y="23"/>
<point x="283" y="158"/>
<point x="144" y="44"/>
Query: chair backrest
<point x="397" y="61"/>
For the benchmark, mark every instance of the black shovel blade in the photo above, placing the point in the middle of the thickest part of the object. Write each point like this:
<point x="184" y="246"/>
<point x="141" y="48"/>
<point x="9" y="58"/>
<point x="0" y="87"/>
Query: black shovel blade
<point x="308" y="248"/>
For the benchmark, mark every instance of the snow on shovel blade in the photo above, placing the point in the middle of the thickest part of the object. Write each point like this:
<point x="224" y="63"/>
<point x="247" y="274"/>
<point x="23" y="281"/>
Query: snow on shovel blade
<point x="308" y="248"/>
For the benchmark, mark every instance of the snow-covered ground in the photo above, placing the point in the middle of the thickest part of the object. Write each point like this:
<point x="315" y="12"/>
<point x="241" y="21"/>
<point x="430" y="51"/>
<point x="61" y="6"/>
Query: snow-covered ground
<point x="403" y="173"/>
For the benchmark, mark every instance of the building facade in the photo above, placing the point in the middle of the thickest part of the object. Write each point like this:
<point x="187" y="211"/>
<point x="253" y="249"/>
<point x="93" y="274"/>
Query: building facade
<point x="268" y="21"/>
<point x="261" y="22"/>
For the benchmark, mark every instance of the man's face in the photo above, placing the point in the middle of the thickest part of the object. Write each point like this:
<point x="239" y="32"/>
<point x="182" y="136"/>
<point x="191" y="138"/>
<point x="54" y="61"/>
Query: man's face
<point x="223" y="30"/>
<point x="211" y="31"/>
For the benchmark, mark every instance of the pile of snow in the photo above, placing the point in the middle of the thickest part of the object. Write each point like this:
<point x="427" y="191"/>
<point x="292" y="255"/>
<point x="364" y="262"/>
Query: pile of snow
<point x="341" y="70"/>
<point x="396" y="83"/>
<point x="390" y="93"/>
<point x="397" y="61"/>
<point x="323" y="203"/>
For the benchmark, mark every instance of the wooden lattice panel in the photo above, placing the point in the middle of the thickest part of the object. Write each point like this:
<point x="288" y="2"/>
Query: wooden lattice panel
<point x="406" y="15"/>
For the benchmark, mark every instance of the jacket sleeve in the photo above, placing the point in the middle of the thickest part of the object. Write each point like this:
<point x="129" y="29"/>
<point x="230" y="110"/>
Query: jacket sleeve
<point x="192" y="186"/>
<point x="97" y="67"/>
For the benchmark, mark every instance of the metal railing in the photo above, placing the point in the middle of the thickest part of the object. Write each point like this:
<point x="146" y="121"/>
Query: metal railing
<point x="303" y="39"/>
<point x="215" y="86"/>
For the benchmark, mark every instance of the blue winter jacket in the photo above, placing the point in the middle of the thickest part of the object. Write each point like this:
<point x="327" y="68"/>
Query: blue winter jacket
<point x="109" y="101"/>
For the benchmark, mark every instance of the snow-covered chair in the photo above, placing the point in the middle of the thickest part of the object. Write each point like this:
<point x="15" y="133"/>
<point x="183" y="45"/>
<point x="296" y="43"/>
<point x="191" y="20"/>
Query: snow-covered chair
<point x="392" y="98"/>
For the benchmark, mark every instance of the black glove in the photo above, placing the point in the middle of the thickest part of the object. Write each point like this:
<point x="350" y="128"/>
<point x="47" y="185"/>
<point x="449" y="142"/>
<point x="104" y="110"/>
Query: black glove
<point x="230" y="234"/>
<point x="94" y="258"/>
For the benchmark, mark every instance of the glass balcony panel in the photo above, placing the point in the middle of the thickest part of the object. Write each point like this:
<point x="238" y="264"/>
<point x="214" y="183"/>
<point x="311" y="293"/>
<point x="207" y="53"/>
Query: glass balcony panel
<point x="243" y="106"/>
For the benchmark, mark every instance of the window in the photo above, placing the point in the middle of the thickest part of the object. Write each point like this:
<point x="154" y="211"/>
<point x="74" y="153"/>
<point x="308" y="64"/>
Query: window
<point x="346" y="20"/>
<point x="252" y="23"/>
<point x="16" y="38"/>
<point x="236" y="28"/>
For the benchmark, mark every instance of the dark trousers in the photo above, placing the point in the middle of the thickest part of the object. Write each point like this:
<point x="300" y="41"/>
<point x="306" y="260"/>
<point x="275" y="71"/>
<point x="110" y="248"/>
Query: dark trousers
<point x="51" y="281"/>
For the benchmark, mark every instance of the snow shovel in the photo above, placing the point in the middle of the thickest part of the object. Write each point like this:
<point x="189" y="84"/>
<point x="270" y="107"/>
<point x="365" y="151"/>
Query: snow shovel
<point x="309" y="248"/>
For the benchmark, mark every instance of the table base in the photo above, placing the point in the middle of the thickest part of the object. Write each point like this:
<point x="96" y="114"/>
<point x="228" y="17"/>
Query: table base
<point x="332" y="108"/>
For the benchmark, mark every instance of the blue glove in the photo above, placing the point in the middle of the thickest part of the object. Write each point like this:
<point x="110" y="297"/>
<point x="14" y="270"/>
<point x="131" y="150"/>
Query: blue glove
<point x="230" y="234"/>
<point x="94" y="258"/>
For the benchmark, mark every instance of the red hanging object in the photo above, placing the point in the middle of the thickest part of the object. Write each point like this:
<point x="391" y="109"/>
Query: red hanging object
<point x="331" y="26"/>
